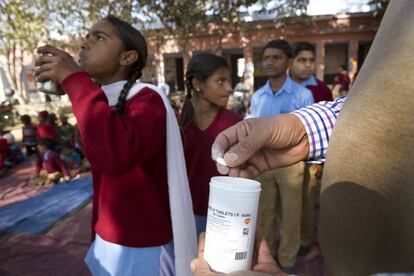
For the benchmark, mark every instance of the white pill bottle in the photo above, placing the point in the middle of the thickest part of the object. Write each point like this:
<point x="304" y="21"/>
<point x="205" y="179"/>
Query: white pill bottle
<point x="231" y="223"/>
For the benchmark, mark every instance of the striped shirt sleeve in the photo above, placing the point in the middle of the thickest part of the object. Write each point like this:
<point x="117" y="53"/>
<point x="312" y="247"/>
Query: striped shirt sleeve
<point x="319" y="120"/>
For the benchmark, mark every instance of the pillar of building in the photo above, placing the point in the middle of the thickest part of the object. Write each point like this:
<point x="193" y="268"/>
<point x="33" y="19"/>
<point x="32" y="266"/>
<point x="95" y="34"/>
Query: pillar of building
<point x="353" y="58"/>
<point x="320" y="59"/>
<point x="159" y="65"/>
<point x="248" y="59"/>
<point x="187" y="53"/>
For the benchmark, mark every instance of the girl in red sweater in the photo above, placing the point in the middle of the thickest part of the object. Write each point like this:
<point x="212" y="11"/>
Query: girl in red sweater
<point x="204" y="116"/>
<point x="126" y="129"/>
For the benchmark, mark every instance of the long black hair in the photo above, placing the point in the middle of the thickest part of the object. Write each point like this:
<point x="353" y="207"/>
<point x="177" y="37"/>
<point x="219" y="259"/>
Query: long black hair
<point x="132" y="40"/>
<point x="200" y="67"/>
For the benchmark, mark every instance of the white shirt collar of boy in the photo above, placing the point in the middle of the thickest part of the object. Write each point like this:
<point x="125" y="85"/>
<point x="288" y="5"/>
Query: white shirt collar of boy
<point x="311" y="81"/>
<point x="182" y="218"/>
<point x="286" y="88"/>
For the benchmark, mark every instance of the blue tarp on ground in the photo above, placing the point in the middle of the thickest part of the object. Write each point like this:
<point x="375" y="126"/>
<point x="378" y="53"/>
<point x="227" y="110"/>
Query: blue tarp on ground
<point x="36" y="215"/>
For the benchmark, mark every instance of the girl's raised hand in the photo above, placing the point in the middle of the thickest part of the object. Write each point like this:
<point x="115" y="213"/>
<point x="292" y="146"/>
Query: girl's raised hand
<point x="54" y="64"/>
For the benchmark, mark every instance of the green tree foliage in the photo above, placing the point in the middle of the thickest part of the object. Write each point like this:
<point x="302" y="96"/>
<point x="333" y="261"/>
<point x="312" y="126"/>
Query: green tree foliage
<point x="26" y="24"/>
<point x="379" y="7"/>
<point x="74" y="17"/>
<point x="21" y="29"/>
<point x="182" y="19"/>
<point x="286" y="8"/>
<point x="227" y="17"/>
<point x="179" y="18"/>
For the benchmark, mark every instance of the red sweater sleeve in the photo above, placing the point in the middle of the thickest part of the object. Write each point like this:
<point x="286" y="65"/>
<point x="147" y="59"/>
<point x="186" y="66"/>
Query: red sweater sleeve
<point x="115" y="144"/>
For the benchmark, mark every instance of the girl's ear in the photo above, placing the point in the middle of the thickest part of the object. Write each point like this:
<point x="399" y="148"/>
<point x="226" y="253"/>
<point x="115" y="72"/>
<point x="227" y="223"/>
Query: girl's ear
<point x="129" y="58"/>
<point x="196" y="84"/>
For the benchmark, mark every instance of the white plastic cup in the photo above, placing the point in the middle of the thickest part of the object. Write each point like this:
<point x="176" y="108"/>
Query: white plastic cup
<point x="49" y="87"/>
<point x="231" y="223"/>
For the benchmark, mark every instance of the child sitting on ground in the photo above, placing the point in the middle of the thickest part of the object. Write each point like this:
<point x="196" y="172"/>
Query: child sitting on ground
<point x="50" y="160"/>
<point x="15" y="154"/>
<point x="71" y="158"/>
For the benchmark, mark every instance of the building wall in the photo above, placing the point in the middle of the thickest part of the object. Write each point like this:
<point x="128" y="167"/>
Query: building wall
<point x="167" y="62"/>
<point x="337" y="39"/>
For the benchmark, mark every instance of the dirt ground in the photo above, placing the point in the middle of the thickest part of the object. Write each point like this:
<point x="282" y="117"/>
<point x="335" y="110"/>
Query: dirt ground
<point x="58" y="252"/>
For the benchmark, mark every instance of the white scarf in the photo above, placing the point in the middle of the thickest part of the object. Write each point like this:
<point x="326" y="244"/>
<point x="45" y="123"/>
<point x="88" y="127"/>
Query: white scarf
<point x="181" y="207"/>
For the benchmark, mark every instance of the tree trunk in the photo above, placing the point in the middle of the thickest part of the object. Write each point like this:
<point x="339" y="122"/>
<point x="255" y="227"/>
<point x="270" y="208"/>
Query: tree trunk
<point x="14" y="72"/>
<point x="10" y="58"/>
<point x="20" y="82"/>
<point x="186" y="54"/>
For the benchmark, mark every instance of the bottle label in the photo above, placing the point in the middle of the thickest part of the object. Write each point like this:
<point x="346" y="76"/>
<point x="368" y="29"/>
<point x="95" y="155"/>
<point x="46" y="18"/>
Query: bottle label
<point x="229" y="239"/>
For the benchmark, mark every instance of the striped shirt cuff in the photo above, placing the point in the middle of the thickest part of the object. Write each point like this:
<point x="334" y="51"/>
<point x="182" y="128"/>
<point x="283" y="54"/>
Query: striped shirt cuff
<point x="319" y="120"/>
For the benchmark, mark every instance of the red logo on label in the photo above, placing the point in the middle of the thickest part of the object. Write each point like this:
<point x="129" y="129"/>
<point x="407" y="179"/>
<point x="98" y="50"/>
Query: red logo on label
<point x="246" y="221"/>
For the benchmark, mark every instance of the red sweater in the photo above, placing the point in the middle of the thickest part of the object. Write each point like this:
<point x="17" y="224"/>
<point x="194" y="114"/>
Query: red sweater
<point x="4" y="151"/>
<point x="343" y="80"/>
<point x="52" y="164"/>
<point x="45" y="130"/>
<point x="320" y="92"/>
<point x="197" y="150"/>
<point x="128" y="159"/>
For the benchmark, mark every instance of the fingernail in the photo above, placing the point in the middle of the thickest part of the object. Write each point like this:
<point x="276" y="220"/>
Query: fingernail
<point x="233" y="157"/>
<point x="222" y="170"/>
<point x="192" y="266"/>
<point x="216" y="154"/>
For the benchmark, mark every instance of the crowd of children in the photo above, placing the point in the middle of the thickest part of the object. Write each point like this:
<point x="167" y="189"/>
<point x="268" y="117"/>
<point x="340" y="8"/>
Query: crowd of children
<point x="63" y="143"/>
<point x="57" y="149"/>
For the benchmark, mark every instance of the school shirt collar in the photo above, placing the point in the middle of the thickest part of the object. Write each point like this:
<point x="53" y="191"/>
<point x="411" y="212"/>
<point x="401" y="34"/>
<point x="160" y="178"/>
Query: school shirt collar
<point x="112" y="91"/>
<point x="311" y="81"/>
<point x="286" y="87"/>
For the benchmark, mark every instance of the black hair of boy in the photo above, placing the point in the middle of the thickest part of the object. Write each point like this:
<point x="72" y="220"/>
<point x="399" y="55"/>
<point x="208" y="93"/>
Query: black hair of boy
<point x="280" y="44"/>
<point x="302" y="46"/>
<point x="25" y="119"/>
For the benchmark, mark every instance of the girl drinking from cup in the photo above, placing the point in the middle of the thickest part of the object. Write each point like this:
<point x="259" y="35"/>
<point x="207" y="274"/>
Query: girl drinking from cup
<point x="141" y="202"/>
